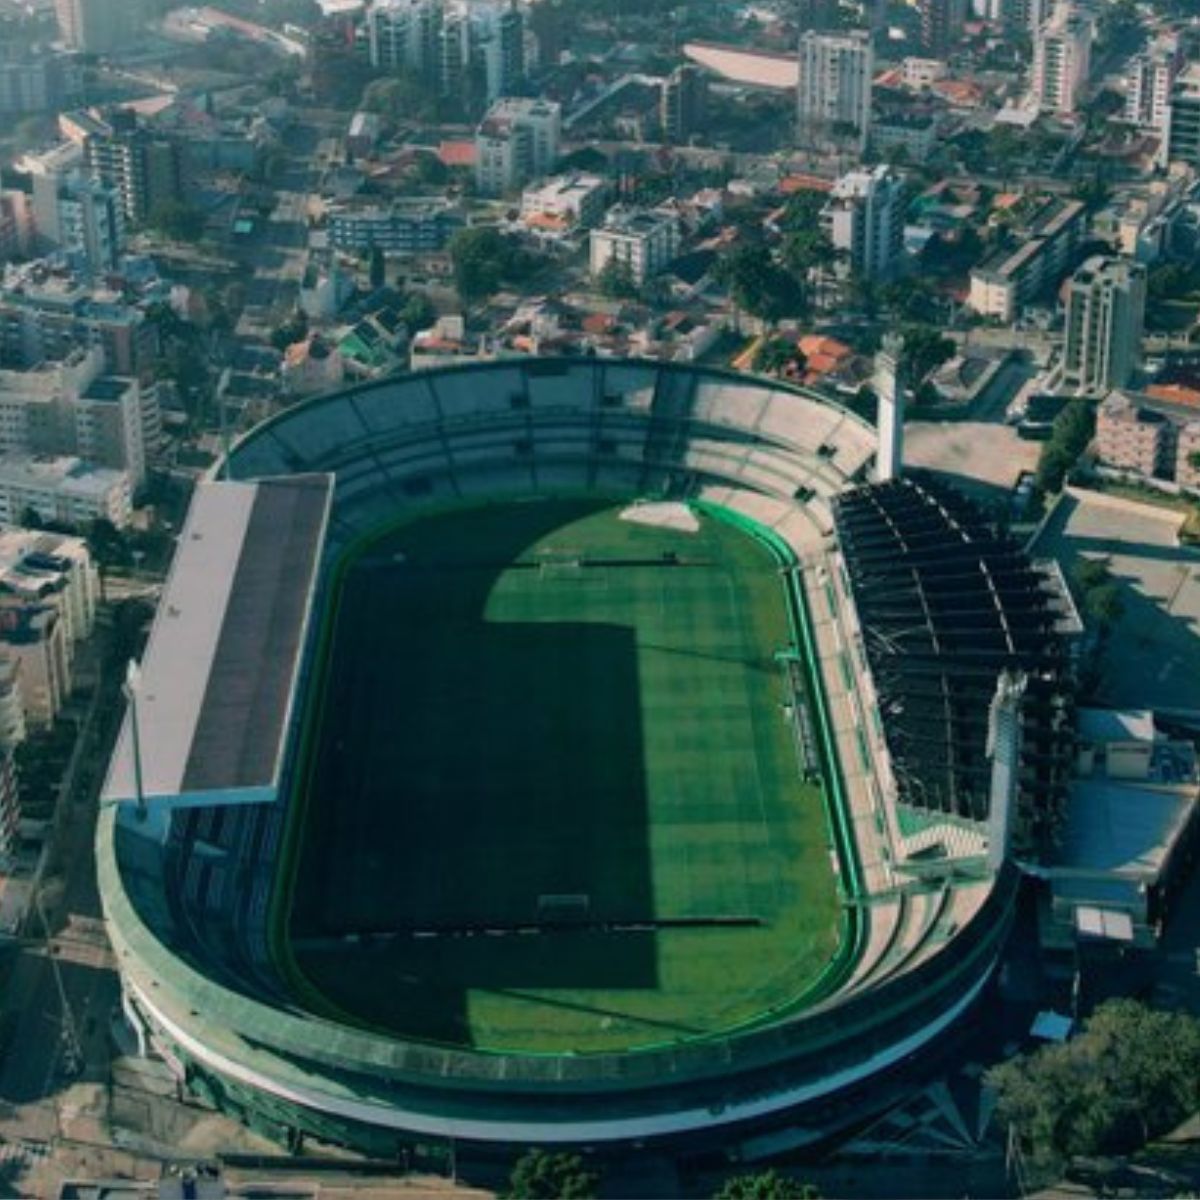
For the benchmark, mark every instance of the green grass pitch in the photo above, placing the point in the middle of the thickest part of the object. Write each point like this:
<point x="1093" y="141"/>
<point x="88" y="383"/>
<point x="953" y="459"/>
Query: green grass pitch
<point x="504" y="724"/>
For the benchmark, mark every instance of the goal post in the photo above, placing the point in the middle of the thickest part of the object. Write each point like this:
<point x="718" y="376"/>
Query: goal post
<point x="560" y="906"/>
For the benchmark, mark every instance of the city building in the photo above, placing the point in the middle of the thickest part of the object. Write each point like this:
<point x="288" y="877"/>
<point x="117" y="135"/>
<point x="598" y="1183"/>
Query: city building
<point x="403" y="34"/>
<point x="1148" y="88"/>
<point x="1183" y="138"/>
<point x="409" y="225"/>
<point x="516" y="141"/>
<point x="497" y="47"/>
<point x="99" y="26"/>
<point x="13" y="727"/>
<point x="43" y="174"/>
<point x="144" y="167"/>
<point x="47" y="315"/>
<point x="36" y="83"/>
<point x="1062" y="61"/>
<point x="90" y="230"/>
<point x="941" y="25"/>
<point x="833" y="99"/>
<point x="40" y="566"/>
<point x="73" y="408"/>
<point x="62" y="489"/>
<point x="910" y="136"/>
<point x="576" y="200"/>
<point x="864" y="218"/>
<point x="683" y="103"/>
<point x="1150" y="436"/>
<point x="17" y="231"/>
<point x="81" y="218"/>
<point x="641" y="241"/>
<point x="1106" y="305"/>
<point x="1049" y="233"/>
<point x="35" y="636"/>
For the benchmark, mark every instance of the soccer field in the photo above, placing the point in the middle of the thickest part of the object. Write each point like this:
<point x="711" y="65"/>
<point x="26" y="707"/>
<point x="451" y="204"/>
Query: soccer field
<point x="539" y="712"/>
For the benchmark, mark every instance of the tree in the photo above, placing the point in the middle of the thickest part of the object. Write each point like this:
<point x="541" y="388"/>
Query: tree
<point x="925" y="349"/>
<point x="1069" y="437"/>
<point x="806" y="248"/>
<point x="767" y="1185"/>
<point x="107" y="543"/>
<point x="779" y="356"/>
<point x="177" y="220"/>
<point x="758" y="285"/>
<point x="545" y="1175"/>
<point x="1194" y="460"/>
<point x="616" y="280"/>
<point x="483" y="258"/>
<point x="293" y="330"/>
<point x="418" y="312"/>
<point x="1129" y="1076"/>
<point x="378" y="268"/>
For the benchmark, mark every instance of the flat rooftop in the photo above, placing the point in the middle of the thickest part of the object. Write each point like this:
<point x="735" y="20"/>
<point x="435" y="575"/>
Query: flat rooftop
<point x="1153" y="656"/>
<point x="217" y="677"/>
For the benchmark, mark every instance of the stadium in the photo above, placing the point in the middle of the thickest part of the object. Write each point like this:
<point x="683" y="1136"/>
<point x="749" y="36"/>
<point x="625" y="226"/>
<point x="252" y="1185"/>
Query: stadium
<point x="572" y="751"/>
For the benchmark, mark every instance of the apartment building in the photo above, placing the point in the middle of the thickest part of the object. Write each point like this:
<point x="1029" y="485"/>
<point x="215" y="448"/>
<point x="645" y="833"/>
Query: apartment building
<point x="518" y="140"/>
<point x="404" y="226"/>
<point x="37" y="82"/>
<point x="73" y="408"/>
<point x="1106" y="307"/>
<point x="683" y="103"/>
<point x="1051" y="233"/>
<point x="18" y="234"/>
<point x="577" y="200"/>
<point x="1062" y="61"/>
<point x="145" y="168"/>
<point x="62" y="489"/>
<point x="1183" y="131"/>
<point x="43" y="567"/>
<point x="34" y="636"/>
<point x="864" y="218"/>
<point x="833" y="96"/>
<point x="1150" y="436"/>
<point x="1151" y="78"/>
<point x="643" y="241"/>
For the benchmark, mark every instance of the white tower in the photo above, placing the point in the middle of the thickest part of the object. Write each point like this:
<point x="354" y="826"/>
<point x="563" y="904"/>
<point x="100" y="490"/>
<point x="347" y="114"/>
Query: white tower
<point x="889" y="459"/>
<point x="1004" y="749"/>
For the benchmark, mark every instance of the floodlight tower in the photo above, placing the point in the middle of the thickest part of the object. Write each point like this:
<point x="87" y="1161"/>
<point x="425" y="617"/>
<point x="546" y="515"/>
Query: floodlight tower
<point x="889" y="459"/>
<point x="131" y="688"/>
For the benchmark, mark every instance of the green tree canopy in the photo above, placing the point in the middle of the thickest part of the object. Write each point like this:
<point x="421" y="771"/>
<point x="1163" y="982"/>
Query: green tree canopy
<point x="483" y="258"/>
<point x="178" y="220"/>
<point x="758" y="285"/>
<point x="766" y="1185"/>
<point x="551" y="1175"/>
<point x="616" y="280"/>
<point x="418" y="311"/>
<point x="1069" y="437"/>
<point x="925" y="349"/>
<point x="1130" y="1075"/>
<point x="777" y="355"/>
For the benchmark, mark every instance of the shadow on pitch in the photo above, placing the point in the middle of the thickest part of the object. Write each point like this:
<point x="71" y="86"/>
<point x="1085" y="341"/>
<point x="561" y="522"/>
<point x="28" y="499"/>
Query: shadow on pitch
<point x="463" y="778"/>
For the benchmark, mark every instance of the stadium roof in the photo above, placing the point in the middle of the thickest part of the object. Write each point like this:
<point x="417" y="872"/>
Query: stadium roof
<point x="216" y="681"/>
<point x="754" y="68"/>
<point x="947" y="604"/>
